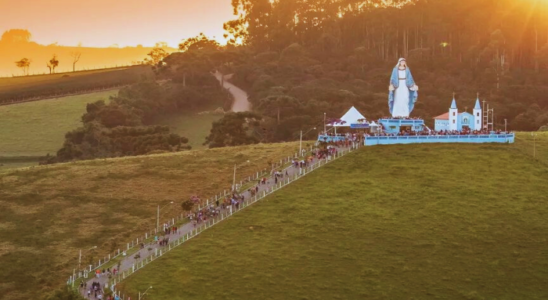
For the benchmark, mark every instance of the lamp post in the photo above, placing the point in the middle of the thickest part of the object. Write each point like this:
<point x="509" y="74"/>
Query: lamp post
<point x="301" y="141"/>
<point x="80" y="263"/>
<point x="505" y="125"/>
<point x="80" y="257"/>
<point x="144" y="293"/>
<point x="158" y="216"/>
<point x="534" y="135"/>
<point x="324" y="128"/>
<point x="234" y="176"/>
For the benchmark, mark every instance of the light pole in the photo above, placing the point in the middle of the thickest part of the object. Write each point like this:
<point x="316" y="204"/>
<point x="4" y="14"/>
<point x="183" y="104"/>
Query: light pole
<point x="324" y="128"/>
<point x="158" y="216"/>
<point x="534" y="135"/>
<point x="505" y="125"/>
<point x="234" y="176"/>
<point x="80" y="258"/>
<point x="144" y="293"/>
<point x="79" y="263"/>
<point x="301" y="141"/>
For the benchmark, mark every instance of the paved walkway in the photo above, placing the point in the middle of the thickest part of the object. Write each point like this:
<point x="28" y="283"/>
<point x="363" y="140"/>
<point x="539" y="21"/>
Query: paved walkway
<point x="128" y="262"/>
<point x="241" y="102"/>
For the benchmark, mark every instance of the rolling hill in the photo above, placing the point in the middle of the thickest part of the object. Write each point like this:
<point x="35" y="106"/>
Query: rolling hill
<point x="416" y="222"/>
<point x="49" y="213"/>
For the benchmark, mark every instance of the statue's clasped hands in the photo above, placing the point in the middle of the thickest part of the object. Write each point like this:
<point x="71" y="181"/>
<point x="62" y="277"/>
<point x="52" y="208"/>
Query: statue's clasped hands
<point x="413" y="88"/>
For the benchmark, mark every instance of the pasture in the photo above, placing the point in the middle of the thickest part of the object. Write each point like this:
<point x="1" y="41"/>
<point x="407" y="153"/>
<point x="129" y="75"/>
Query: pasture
<point x="48" y="213"/>
<point x="195" y="127"/>
<point x="395" y="222"/>
<point x="38" y="128"/>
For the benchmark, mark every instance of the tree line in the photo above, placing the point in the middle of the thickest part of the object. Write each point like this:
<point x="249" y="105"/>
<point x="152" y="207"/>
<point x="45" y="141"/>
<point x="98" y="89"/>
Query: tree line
<point x="306" y="58"/>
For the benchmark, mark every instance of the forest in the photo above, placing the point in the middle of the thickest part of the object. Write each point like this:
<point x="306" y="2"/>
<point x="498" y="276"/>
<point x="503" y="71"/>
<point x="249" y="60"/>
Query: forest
<point x="310" y="57"/>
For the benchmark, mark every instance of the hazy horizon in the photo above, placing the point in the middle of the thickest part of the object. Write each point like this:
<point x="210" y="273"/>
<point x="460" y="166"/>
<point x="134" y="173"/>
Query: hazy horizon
<point x="103" y="23"/>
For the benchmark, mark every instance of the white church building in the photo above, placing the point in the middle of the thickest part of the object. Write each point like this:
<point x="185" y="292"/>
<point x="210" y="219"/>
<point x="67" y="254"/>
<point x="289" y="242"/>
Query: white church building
<point x="459" y="121"/>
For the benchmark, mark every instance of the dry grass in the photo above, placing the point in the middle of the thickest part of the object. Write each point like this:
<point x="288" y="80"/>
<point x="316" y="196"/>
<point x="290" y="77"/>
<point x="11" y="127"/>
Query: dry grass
<point x="48" y="213"/>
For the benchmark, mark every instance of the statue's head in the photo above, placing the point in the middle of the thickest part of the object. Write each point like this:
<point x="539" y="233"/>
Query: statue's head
<point x="402" y="63"/>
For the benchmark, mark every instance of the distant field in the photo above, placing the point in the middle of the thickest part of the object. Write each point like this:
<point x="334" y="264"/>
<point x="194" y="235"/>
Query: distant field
<point x="193" y="126"/>
<point x="63" y="83"/>
<point x="48" y="213"/>
<point x="38" y="128"/>
<point x="387" y="222"/>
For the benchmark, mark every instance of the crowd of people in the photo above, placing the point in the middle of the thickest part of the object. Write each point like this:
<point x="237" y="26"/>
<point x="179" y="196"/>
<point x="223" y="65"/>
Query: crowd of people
<point x="401" y="118"/>
<point x="233" y="202"/>
<point x="94" y="290"/>
<point x="427" y="132"/>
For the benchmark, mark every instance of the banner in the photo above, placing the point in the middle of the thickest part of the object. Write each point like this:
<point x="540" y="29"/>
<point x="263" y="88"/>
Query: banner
<point x="359" y="126"/>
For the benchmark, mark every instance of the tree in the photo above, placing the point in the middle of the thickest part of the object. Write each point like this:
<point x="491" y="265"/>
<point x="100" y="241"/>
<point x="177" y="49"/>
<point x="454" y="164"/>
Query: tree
<point x="16" y="36"/>
<point x="234" y="129"/>
<point x="156" y="56"/>
<point x="24" y="64"/>
<point x="200" y="42"/>
<point x="187" y="205"/>
<point x="64" y="293"/>
<point x="75" y="58"/>
<point x="52" y="64"/>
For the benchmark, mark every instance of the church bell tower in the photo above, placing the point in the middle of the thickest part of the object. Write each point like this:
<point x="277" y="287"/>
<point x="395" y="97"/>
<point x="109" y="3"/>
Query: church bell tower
<point x="453" y="115"/>
<point x="478" y="115"/>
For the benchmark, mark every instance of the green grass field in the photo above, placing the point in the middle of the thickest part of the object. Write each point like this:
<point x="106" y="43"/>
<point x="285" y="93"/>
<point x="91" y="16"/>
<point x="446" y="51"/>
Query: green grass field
<point x="395" y="222"/>
<point x="48" y="213"/>
<point x="38" y="128"/>
<point x="195" y="127"/>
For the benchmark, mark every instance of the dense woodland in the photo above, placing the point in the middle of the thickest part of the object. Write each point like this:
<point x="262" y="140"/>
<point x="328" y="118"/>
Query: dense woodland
<point x="316" y="56"/>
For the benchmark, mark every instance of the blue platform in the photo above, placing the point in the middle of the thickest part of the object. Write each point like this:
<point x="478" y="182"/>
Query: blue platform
<point x="423" y="139"/>
<point x="394" y="126"/>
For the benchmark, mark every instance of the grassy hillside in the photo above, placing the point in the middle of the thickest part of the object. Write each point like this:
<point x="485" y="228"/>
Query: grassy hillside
<point x="194" y="126"/>
<point x="396" y="222"/>
<point x="25" y="87"/>
<point x="37" y="128"/>
<point x="48" y="213"/>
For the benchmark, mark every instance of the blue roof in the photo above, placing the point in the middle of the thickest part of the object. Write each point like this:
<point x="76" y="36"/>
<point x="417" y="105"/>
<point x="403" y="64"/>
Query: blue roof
<point x="478" y="106"/>
<point x="454" y="104"/>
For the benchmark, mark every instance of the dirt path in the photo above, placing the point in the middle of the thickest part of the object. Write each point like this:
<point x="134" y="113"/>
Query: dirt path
<point x="241" y="102"/>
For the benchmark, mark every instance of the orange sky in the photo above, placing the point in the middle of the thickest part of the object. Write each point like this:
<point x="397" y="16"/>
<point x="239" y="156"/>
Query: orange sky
<point x="101" y="23"/>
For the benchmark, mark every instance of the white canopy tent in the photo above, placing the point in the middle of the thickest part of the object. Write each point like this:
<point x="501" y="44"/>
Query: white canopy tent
<point x="350" y="117"/>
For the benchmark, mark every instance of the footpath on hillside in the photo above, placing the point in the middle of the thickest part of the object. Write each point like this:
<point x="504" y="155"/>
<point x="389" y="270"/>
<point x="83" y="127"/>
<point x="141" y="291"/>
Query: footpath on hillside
<point x="241" y="102"/>
<point x="151" y="249"/>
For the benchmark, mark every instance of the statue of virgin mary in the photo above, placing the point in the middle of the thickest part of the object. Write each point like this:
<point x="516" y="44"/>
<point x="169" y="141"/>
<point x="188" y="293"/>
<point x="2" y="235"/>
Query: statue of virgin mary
<point x="403" y="92"/>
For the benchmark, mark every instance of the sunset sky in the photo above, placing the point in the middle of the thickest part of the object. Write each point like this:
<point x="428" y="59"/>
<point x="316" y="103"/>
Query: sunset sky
<point x="102" y="23"/>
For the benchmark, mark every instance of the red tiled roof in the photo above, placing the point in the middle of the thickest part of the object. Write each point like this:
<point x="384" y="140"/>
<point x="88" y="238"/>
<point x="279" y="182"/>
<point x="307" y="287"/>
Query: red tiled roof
<point x="445" y="116"/>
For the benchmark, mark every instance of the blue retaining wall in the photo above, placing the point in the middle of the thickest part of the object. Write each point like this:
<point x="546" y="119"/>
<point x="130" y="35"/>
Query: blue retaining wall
<point x="331" y="138"/>
<point x="422" y="139"/>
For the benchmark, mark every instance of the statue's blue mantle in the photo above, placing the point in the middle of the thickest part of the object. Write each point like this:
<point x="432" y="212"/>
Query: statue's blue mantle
<point x="410" y="82"/>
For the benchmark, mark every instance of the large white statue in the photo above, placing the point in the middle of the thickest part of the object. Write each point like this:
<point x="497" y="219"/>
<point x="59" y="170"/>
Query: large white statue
<point x="403" y="92"/>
